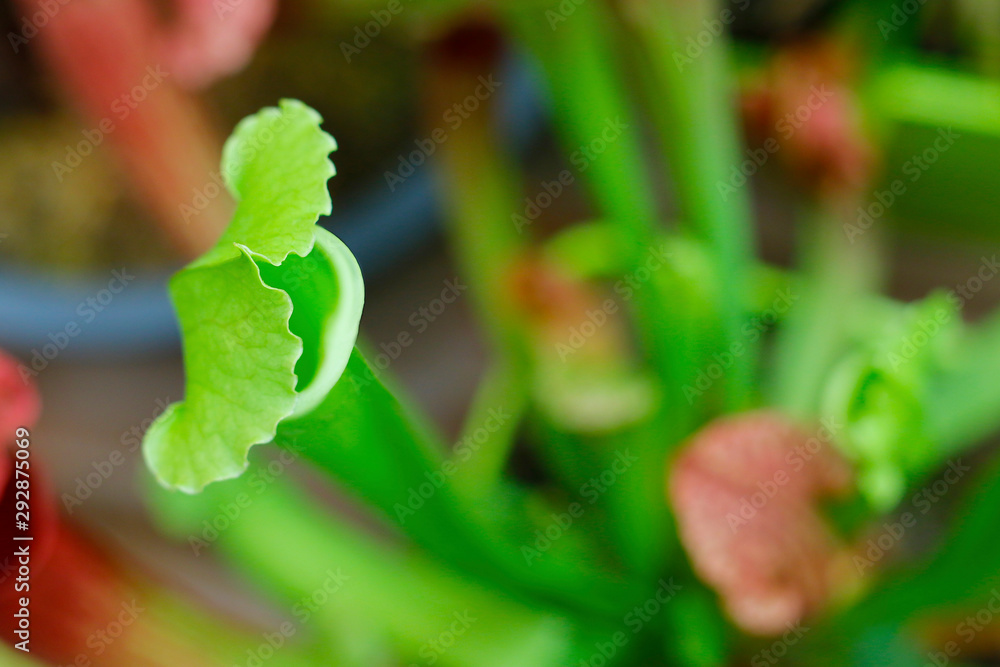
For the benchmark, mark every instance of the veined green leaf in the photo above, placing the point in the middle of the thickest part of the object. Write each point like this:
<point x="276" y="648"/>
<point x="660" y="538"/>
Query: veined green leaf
<point x="246" y="369"/>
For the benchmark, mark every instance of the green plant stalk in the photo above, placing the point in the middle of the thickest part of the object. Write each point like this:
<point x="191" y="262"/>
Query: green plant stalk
<point x="629" y="515"/>
<point x="836" y="275"/>
<point x="362" y="436"/>
<point x="480" y="195"/>
<point x="483" y="232"/>
<point x="639" y="518"/>
<point x="480" y="192"/>
<point x="580" y="66"/>
<point x="693" y="110"/>
<point x="869" y="23"/>
<point x="911" y="93"/>
<point x="579" y="61"/>
<point x="641" y="522"/>
<point x="502" y="389"/>
<point x="697" y="634"/>
<point x="314" y="563"/>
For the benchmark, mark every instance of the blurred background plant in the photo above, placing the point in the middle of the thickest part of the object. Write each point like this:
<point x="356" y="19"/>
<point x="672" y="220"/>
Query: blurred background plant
<point x="735" y="343"/>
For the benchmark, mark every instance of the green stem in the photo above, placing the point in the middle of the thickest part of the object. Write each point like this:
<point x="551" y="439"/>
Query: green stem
<point x="340" y="584"/>
<point x="693" y="104"/>
<point x="486" y="237"/>
<point x="579" y="57"/>
<point x="362" y="436"/>
<point x="480" y="194"/>
<point x="491" y="424"/>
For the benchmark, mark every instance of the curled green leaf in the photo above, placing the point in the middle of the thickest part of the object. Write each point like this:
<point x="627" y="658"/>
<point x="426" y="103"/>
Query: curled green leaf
<point x="269" y="316"/>
<point x="881" y="392"/>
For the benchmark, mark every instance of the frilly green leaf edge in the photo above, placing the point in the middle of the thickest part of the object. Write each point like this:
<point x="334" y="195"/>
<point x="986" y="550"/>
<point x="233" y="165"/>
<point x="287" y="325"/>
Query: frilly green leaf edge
<point x="235" y="305"/>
